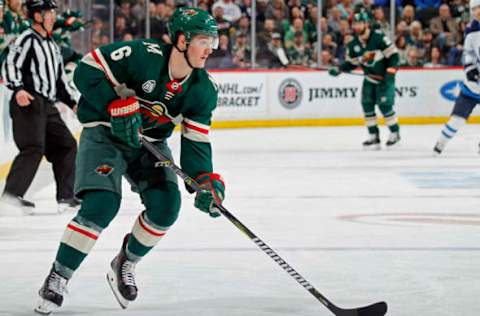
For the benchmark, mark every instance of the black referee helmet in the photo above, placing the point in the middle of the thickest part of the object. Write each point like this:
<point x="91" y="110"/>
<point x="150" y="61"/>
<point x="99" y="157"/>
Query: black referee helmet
<point x="40" y="5"/>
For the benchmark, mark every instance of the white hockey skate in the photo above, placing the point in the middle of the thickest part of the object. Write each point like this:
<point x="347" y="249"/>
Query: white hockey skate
<point x="372" y="143"/>
<point x="438" y="148"/>
<point x="393" y="140"/>
<point x="121" y="277"/>
<point x="68" y="205"/>
<point x="51" y="293"/>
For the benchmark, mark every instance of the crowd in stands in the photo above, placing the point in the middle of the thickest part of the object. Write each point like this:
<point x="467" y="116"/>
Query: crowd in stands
<point x="427" y="33"/>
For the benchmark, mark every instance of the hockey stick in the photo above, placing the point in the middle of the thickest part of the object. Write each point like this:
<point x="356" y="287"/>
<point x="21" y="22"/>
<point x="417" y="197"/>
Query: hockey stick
<point x="374" y="77"/>
<point x="377" y="309"/>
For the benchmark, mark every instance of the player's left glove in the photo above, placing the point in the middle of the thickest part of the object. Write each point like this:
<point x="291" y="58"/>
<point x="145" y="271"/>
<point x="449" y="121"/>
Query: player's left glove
<point x="212" y="194"/>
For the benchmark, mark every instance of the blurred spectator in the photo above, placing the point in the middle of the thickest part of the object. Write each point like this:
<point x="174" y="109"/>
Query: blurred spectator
<point x="412" y="58"/>
<point x="408" y="14"/>
<point x="276" y="47"/>
<point x="435" y="58"/>
<point x="346" y="8"/>
<point x="329" y="44"/>
<point x="222" y="24"/>
<point x="264" y="36"/>
<point x="401" y="44"/>
<point x="231" y="10"/>
<point x="121" y="28"/>
<point x="290" y="35"/>
<point x="241" y="51"/>
<point x="221" y="57"/>
<point x="276" y="5"/>
<point x="158" y="27"/>
<point x="131" y="21"/>
<point x="402" y="30"/>
<point x="311" y="24"/>
<point x="380" y="20"/>
<point x="281" y="22"/>
<point x="444" y="28"/>
<point x="127" y="37"/>
<point x="299" y="53"/>
<point x="425" y="47"/>
<point x="334" y="19"/>
<point x="327" y="58"/>
<point x="243" y="27"/>
<point x="139" y="9"/>
<point x="416" y="34"/>
<point x="246" y="8"/>
<point x="301" y="4"/>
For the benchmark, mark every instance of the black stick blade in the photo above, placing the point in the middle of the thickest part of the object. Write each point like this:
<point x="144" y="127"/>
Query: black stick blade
<point x="377" y="309"/>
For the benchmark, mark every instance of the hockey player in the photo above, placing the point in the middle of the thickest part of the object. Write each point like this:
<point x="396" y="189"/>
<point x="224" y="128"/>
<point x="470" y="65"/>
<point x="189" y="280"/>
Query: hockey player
<point x="126" y="87"/>
<point x="378" y="57"/>
<point x="470" y="89"/>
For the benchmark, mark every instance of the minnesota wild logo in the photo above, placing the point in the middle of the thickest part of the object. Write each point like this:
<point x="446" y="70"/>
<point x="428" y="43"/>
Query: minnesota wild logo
<point x="104" y="170"/>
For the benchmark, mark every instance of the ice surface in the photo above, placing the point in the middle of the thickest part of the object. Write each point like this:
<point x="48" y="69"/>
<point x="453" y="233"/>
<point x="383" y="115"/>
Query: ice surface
<point x="399" y="225"/>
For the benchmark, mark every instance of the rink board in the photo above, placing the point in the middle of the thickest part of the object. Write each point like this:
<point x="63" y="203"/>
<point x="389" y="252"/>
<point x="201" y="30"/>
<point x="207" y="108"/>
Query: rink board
<point x="299" y="98"/>
<point x="276" y="98"/>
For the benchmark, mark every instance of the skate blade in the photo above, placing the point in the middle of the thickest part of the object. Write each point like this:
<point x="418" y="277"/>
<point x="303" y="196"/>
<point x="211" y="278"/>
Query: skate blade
<point x="67" y="209"/>
<point x="9" y="210"/>
<point x="396" y="145"/>
<point x="45" y="307"/>
<point x="372" y="147"/>
<point x="112" y="281"/>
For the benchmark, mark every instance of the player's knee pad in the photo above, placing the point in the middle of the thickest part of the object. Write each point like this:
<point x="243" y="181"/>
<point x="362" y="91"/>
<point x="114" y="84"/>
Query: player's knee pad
<point x="162" y="204"/>
<point x="99" y="207"/>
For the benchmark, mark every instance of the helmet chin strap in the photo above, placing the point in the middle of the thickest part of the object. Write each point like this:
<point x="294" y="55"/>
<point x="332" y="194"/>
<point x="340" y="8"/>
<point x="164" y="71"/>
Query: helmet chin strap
<point x="42" y="24"/>
<point x="185" y="55"/>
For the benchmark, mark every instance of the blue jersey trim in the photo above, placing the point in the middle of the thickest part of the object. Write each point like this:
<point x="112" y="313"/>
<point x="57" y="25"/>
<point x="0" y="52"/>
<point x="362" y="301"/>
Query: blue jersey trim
<point x="467" y="92"/>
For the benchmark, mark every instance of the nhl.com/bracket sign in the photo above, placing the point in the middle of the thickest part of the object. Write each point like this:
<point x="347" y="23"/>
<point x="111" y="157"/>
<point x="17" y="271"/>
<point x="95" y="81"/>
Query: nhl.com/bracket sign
<point x="290" y="93"/>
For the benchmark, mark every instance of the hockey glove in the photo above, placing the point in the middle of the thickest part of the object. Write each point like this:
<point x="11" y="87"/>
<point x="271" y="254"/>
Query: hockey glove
<point x="334" y="71"/>
<point x="473" y="75"/>
<point x="212" y="194"/>
<point x="126" y="120"/>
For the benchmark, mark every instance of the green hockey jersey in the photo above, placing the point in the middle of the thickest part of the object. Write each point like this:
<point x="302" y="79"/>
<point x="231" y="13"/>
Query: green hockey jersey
<point x="140" y="68"/>
<point x="374" y="56"/>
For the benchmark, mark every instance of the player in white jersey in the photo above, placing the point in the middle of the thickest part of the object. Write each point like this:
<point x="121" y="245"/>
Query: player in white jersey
<point x="470" y="89"/>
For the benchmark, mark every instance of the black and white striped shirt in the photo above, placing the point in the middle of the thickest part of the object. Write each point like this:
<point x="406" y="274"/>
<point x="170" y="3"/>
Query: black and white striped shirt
<point x="34" y="63"/>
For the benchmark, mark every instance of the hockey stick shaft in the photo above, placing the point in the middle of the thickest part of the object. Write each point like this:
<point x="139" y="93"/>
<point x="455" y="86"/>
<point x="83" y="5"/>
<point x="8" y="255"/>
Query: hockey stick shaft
<point x="372" y="76"/>
<point x="166" y="162"/>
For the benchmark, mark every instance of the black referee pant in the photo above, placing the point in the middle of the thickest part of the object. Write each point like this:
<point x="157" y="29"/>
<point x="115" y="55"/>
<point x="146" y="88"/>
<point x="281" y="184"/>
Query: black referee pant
<point x="39" y="130"/>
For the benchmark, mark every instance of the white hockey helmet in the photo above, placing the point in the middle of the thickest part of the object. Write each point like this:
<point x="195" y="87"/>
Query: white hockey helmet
<point x="474" y="3"/>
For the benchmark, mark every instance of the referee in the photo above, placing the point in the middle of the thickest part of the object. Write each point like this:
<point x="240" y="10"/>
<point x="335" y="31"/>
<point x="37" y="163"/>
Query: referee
<point x="34" y="71"/>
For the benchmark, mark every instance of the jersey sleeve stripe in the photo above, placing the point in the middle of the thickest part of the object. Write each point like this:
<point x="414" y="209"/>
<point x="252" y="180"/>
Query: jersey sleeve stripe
<point x="97" y="55"/>
<point x="389" y="51"/>
<point x="89" y="60"/>
<point x="199" y="127"/>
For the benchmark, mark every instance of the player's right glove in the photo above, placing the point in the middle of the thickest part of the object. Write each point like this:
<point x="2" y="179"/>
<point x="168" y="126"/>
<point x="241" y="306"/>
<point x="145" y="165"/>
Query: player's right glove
<point x="473" y="74"/>
<point x="213" y="193"/>
<point x="334" y="71"/>
<point x="126" y="120"/>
